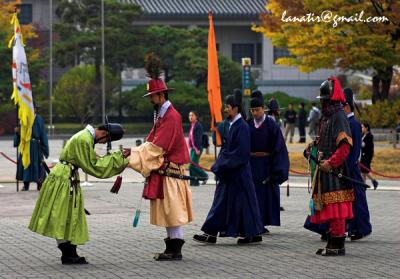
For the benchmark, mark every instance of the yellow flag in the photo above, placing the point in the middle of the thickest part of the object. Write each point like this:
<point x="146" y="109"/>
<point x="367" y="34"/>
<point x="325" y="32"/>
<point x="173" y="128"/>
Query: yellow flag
<point x="22" y="92"/>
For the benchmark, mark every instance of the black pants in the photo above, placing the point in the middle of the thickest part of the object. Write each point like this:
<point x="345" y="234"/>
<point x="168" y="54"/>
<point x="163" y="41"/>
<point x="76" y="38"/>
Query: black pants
<point x="302" y="132"/>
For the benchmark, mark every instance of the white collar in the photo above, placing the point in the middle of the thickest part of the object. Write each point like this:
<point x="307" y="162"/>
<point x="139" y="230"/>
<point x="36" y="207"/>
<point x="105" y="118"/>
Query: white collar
<point x="237" y="117"/>
<point x="258" y="123"/>
<point x="164" y="108"/>
<point x="350" y="114"/>
<point x="91" y="130"/>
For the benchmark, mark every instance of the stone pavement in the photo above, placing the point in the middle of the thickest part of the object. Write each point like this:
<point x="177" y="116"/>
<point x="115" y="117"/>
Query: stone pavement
<point x="117" y="250"/>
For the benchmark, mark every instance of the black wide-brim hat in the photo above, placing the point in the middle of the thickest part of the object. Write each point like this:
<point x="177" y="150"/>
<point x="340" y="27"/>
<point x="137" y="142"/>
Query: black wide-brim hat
<point x="115" y="131"/>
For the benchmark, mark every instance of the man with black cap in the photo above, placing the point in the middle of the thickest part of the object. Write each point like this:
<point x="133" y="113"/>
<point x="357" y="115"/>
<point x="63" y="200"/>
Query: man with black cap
<point x="331" y="197"/>
<point x="234" y="211"/>
<point x="360" y="225"/>
<point x="161" y="160"/>
<point x="273" y="110"/>
<point x="269" y="161"/>
<point x="59" y="212"/>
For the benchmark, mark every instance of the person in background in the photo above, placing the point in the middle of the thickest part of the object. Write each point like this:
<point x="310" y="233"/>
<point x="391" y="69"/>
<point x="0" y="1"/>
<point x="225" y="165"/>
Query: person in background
<point x="269" y="161"/>
<point x="195" y="140"/>
<point x="273" y="111"/>
<point x="313" y="121"/>
<point x="39" y="149"/>
<point x="360" y="226"/>
<point x="234" y="211"/>
<point x="302" y="121"/>
<point x="397" y="129"/>
<point x="290" y="122"/>
<point x="367" y="153"/>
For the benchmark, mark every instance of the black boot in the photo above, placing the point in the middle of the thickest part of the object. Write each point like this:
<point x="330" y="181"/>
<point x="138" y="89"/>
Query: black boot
<point x="173" y="251"/>
<point x="26" y="186"/>
<point x="335" y="247"/>
<point x="69" y="255"/>
<point x="375" y="183"/>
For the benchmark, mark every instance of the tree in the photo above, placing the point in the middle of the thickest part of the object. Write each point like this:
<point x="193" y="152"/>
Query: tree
<point x="178" y="49"/>
<point x="74" y="94"/>
<point x="80" y="35"/>
<point x="34" y="63"/>
<point x="183" y="53"/>
<point x="352" y="45"/>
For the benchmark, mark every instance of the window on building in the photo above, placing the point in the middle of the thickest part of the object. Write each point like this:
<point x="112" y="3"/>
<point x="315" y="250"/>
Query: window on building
<point x="254" y="51"/>
<point x="258" y="60"/>
<point x="280" y="52"/>
<point x="242" y="50"/>
<point x="25" y="14"/>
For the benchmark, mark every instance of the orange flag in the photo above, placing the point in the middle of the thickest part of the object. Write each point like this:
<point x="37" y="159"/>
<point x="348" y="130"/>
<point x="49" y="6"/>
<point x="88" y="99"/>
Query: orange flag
<point x="213" y="83"/>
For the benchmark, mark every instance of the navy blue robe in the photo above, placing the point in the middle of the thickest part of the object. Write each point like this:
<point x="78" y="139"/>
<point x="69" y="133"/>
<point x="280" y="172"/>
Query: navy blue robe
<point x="269" y="171"/>
<point x="39" y="148"/>
<point x="360" y="224"/>
<point x="234" y="211"/>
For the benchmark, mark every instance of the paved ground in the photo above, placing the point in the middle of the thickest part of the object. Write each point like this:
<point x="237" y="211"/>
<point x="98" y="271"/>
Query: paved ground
<point x="117" y="250"/>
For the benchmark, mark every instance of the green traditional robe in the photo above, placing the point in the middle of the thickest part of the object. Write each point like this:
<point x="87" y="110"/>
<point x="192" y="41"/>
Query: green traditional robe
<point x="59" y="212"/>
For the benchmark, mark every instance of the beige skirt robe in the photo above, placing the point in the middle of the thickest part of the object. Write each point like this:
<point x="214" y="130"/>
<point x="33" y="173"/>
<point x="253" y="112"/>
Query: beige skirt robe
<point x="175" y="209"/>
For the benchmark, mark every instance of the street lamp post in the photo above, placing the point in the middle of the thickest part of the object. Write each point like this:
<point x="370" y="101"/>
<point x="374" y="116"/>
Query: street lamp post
<point x="103" y="82"/>
<point x="51" y="67"/>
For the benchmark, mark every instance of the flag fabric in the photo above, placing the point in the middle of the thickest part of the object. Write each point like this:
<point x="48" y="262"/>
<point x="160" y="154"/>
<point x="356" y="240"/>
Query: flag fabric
<point x="213" y="82"/>
<point x="22" y="92"/>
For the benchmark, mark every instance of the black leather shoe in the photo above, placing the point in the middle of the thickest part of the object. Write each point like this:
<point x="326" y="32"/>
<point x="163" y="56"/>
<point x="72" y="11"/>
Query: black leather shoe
<point x="205" y="238"/>
<point x="357" y="236"/>
<point x="265" y="231"/>
<point x="73" y="260"/>
<point x="248" y="240"/>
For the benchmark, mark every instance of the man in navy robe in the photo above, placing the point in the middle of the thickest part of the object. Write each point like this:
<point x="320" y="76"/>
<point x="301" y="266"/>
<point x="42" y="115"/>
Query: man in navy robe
<point x="269" y="161"/>
<point x="234" y="211"/>
<point x="360" y="225"/>
<point x="39" y="149"/>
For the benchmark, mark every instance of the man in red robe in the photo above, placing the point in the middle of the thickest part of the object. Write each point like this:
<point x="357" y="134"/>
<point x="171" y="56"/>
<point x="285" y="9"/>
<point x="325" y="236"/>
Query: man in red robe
<point x="161" y="160"/>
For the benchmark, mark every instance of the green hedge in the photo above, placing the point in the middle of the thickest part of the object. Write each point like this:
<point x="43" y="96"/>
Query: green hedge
<point x="380" y="114"/>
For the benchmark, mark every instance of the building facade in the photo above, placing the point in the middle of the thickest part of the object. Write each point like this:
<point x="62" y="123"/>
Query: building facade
<point x="235" y="39"/>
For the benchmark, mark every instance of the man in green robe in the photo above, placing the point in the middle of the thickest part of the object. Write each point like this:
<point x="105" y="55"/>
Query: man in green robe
<point x="59" y="212"/>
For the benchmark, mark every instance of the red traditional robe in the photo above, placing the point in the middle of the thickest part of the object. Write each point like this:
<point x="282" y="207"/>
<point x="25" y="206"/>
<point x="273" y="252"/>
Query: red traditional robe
<point x="170" y="198"/>
<point x="167" y="133"/>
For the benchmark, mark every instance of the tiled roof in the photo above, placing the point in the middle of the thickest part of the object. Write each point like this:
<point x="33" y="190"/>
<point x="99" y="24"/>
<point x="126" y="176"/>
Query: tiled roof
<point x="200" y="7"/>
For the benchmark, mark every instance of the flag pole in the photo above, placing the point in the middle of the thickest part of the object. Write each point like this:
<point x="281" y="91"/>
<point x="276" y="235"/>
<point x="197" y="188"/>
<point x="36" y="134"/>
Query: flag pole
<point x="16" y="170"/>
<point x="51" y="127"/>
<point x="16" y="108"/>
